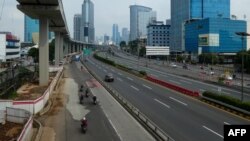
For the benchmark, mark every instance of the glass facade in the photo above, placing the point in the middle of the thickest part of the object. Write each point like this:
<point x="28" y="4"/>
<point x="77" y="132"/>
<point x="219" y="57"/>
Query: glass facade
<point x="228" y="41"/>
<point x="183" y="10"/>
<point x="31" y="26"/>
<point x="87" y="24"/>
<point x="115" y="34"/>
<point x="144" y="19"/>
<point x="134" y="24"/>
<point x="77" y="26"/>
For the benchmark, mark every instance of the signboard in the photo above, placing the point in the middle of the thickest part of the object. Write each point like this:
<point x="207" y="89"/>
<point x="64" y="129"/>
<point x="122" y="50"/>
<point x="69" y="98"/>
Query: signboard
<point x="157" y="50"/>
<point x="209" y="40"/>
<point x="86" y="51"/>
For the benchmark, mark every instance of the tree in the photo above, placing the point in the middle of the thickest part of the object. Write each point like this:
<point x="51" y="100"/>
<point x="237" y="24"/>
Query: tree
<point x="238" y="59"/>
<point x="52" y="50"/>
<point x="142" y="52"/>
<point x="122" y="44"/>
<point x="34" y="52"/>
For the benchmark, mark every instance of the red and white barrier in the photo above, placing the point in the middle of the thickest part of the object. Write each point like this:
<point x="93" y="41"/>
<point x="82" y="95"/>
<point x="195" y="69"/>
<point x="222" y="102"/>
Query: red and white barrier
<point x="33" y="106"/>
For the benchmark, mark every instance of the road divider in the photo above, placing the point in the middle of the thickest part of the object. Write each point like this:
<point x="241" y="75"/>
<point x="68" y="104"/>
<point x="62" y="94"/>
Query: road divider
<point x="173" y="87"/>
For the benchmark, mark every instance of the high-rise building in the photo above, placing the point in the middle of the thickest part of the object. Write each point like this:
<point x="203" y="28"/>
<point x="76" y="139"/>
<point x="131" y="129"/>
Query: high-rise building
<point x="77" y="26"/>
<point x="106" y="39"/>
<point x="125" y="35"/>
<point x="31" y="29"/>
<point x="87" y="25"/>
<point x="136" y="22"/>
<point x="115" y="34"/>
<point x="144" y="19"/>
<point x="158" y="34"/>
<point x="248" y="39"/>
<point x="184" y="10"/>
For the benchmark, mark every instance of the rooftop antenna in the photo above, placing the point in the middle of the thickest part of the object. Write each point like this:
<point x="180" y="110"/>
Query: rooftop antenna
<point x="245" y="16"/>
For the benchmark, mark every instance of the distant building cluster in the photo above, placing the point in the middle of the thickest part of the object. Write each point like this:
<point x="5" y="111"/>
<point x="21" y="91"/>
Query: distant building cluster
<point x="84" y="28"/>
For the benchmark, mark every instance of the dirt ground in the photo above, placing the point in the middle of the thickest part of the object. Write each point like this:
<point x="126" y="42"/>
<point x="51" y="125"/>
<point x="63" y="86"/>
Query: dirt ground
<point x="31" y="91"/>
<point x="10" y="131"/>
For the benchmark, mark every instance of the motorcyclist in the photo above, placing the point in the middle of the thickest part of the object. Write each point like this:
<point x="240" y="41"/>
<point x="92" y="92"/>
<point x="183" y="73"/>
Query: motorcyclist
<point x="81" y="97"/>
<point x="81" y="88"/>
<point x="94" y="99"/>
<point x="84" y="122"/>
<point x="87" y="92"/>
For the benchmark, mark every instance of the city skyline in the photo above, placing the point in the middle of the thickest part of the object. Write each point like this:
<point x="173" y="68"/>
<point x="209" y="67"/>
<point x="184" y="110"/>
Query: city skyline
<point x="105" y="14"/>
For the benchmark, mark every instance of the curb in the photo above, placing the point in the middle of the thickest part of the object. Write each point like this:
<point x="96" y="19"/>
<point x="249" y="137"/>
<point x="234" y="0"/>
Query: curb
<point x="40" y="129"/>
<point x="46" y="109"/>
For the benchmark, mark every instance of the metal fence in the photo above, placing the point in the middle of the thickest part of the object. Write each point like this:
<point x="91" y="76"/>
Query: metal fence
<point x="158" y="133"/>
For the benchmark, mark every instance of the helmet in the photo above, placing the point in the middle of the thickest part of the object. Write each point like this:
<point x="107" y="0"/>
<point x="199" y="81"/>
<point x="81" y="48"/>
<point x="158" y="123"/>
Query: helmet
<point x="83" y="118"/>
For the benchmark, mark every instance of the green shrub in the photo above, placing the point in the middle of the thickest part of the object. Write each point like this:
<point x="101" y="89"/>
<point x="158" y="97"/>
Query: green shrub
<point x="107" y="61"/>
<point x="143" y="73"/>
<point x="228" y="100"/>
<point x="221" y="80"/>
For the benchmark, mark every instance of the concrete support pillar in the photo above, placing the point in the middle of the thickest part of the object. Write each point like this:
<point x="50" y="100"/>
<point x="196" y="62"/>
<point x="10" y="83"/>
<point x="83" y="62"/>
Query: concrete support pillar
<point x="65" y="51"/>
<point x="57" y="48"/>
<point x="61" y="48"/>
<point x="43" y="51"/>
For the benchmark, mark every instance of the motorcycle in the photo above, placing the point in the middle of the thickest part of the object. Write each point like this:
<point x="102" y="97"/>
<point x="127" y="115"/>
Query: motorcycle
<point x="84" y="125"/>
<point x="94" y="100"/>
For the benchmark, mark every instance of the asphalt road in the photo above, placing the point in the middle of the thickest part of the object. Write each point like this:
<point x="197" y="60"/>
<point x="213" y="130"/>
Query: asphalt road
<point x="183" y="118"/>
<point x="64" y="119"/>
<point x="195" y="85"/>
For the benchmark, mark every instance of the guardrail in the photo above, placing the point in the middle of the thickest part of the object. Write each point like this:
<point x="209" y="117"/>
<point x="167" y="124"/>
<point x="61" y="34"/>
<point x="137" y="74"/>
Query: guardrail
<point x="158" y="133"/>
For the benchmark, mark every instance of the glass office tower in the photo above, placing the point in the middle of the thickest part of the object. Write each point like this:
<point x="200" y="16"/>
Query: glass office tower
<point x="184" y="10"/>
<point x="31" y="26"/>
<point x="87" y="26"/>
<point x="134" y="20"/>
<point x="77" y="26"/>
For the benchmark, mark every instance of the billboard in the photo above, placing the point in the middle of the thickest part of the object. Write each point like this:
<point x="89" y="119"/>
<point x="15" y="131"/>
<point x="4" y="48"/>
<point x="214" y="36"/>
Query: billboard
<point x="209" y="40"/>
<point x="157" y="50"/>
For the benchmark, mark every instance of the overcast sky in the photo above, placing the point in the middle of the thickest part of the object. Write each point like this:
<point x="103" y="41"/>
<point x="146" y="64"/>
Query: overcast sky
<point x="107" y="12"/>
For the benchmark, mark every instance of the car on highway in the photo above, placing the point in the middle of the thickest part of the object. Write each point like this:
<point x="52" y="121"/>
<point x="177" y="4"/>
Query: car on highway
<point x="109" y="77"/>
<point x="173" y="65"/>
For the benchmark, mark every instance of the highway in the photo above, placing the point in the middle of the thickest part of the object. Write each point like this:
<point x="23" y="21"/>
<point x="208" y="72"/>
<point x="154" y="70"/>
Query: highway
<point x="162" y="73"/>
<point x="182" y="117"/>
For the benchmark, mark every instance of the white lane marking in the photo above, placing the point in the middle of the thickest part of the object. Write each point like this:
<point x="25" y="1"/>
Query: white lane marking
<point x="174" y="82"/>
<point x="178" y="101"/>
<point x="227" y="123"/>
<point x="120" y="74"/>
<point x="147" y="87"/>
<point x="115" y="129"/>
<point x="213" y="131"/>
<point x="119" y="79"/>
<point x="186" y="81"/>
<point x="134" y="88"/>
<point x="129" y="78"/>
<point x="202" y="90"/>
<point x="162" y="103"/>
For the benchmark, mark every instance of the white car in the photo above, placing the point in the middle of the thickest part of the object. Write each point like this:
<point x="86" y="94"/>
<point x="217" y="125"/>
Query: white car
<point x="173" y="65"/>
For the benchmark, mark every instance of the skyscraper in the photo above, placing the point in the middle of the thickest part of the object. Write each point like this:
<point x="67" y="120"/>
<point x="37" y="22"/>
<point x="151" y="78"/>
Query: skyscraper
<point x="115" y="34"/>
<point x="87" y="25"/>
<point x="138" y="21"/>
<point x="77" y="26"/>
<point x="184" y="10"/>
<point x="125" y="34"/>
<point x="31" y="28"/>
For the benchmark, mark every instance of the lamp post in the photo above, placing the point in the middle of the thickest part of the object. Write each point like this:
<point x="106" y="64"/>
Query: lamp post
<point x="242" y="35"/>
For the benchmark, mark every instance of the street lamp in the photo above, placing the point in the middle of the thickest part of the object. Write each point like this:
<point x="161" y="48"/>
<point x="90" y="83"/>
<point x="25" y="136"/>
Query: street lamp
<point x="242" y="35"/>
